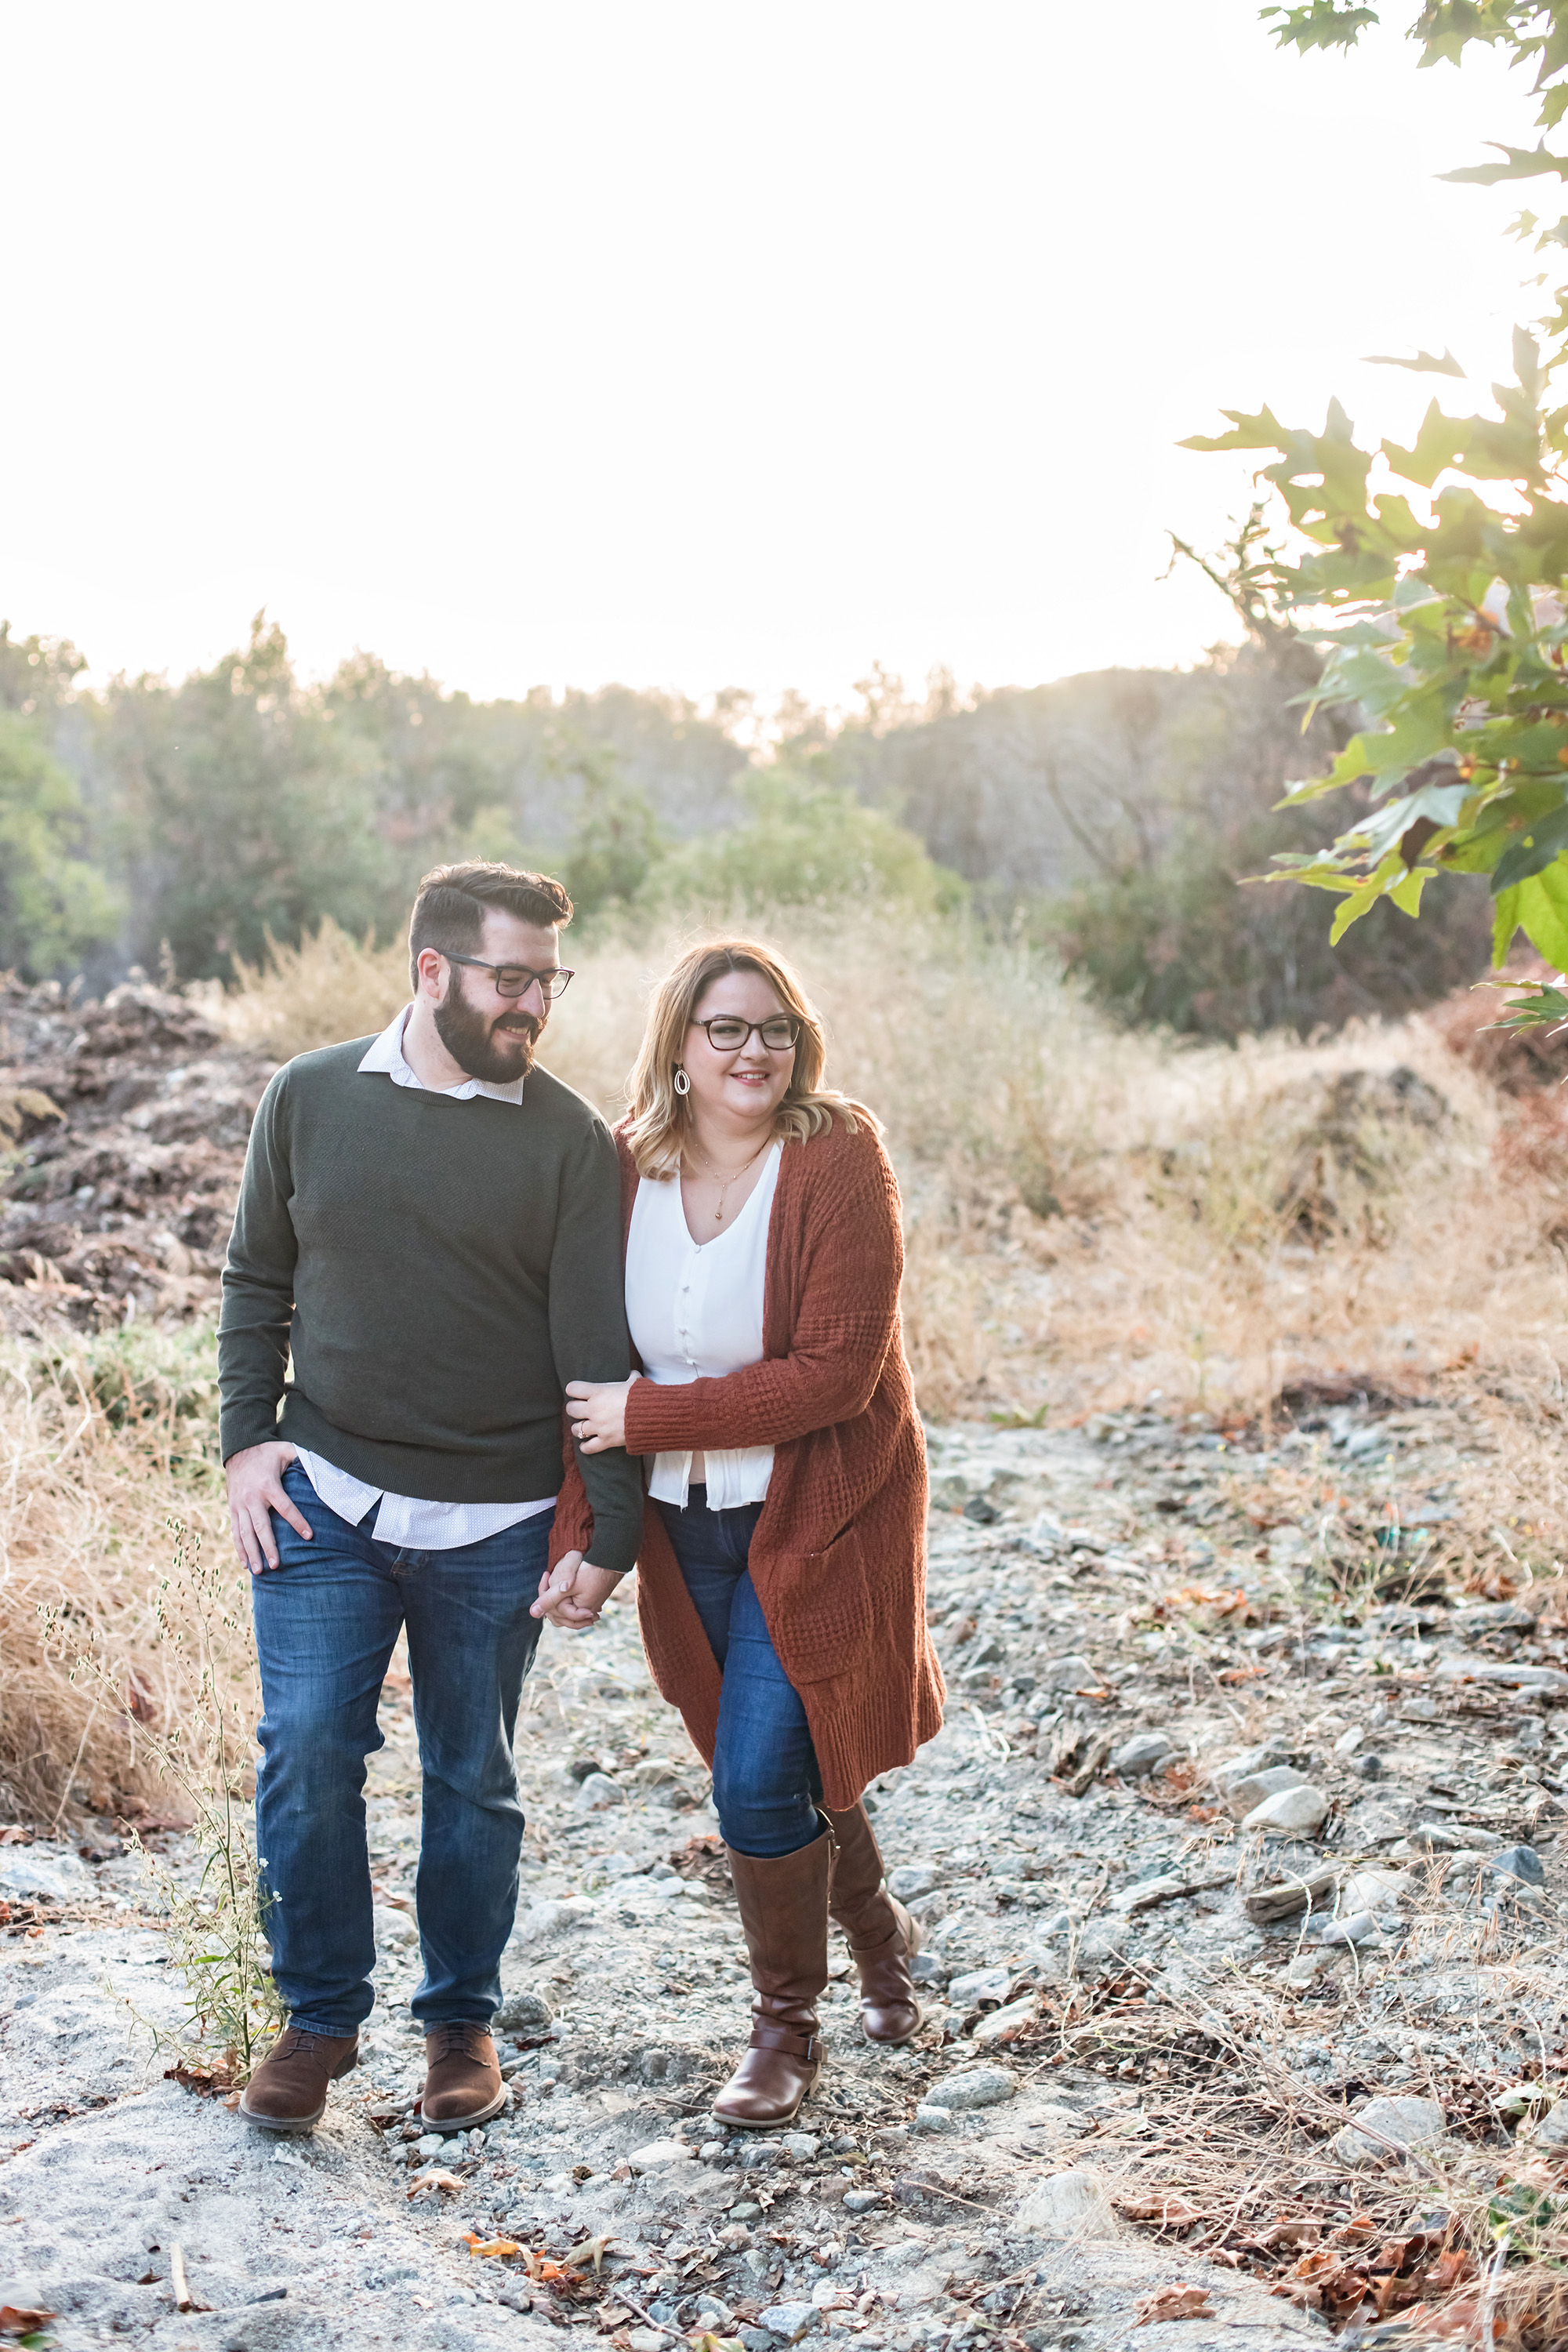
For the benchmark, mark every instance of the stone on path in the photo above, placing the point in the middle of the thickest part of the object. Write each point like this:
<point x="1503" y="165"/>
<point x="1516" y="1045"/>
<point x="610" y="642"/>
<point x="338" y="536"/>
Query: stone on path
<point x="1073" y="1672"/>
<point x="520" y="2010"/>
<point x="1069" y="2205"/>
<point x="1414" y="2123"/>
<point x="914" y="1878"/>
<point x="1141" y="1755"/>
<point x="542" y="1919"/>
<point x="979" y="1984"/>
<point x="657" y="2154"/>
<point x="1292" y="1813"/>
<point x="971" y="2086"/>
<point x="1242" y="1795"/>
<point x="1005" y="2024"/>
<point x="788" y="2321"/>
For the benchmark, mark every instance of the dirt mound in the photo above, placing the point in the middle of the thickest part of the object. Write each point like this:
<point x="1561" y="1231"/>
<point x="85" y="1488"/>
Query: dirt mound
<point x="1353" y="1144"/>
<point x="122" y="1133"/>
<point x="1518" y="1062"/>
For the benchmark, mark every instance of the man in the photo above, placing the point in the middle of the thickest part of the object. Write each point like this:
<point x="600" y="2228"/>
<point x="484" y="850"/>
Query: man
<point x="426" y="1249"/>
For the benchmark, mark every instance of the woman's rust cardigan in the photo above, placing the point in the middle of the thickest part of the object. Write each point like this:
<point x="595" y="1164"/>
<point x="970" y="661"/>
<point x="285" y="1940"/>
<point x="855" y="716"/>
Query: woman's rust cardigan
<point x="839" y="1555"/>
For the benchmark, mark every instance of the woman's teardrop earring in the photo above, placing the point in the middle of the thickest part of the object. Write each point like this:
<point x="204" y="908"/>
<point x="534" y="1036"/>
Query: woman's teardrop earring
<point x="681" y="1081"/>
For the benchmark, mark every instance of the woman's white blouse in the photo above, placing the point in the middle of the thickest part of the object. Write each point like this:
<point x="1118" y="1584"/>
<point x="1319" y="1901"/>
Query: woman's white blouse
<point x="696" y="1313"/>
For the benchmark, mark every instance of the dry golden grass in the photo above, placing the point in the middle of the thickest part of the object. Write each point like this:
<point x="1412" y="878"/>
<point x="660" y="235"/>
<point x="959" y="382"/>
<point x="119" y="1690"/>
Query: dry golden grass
<point x="330" y="988"/>
<point x="1093" y="1215"/>
<point x="100" y="1450"/>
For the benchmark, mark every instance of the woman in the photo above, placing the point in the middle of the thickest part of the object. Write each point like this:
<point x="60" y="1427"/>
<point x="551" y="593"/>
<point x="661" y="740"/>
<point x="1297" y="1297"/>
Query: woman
<point x="781" y="1570"/>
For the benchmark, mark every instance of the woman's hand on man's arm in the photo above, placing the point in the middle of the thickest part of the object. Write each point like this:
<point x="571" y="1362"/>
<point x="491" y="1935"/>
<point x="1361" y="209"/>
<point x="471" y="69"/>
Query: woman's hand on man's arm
<point x="597" y="1413"/>
<point x="572" y="1592"/>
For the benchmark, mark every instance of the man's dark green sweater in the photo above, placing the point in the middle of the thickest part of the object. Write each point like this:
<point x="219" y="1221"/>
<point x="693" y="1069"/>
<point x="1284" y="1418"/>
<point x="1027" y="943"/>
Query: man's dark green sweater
<point x="438" y="1270"/>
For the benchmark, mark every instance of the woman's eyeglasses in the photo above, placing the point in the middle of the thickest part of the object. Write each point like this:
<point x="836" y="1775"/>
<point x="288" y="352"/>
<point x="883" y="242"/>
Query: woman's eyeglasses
<point x="726" y="1032"/>
<point x="515" y="979"/>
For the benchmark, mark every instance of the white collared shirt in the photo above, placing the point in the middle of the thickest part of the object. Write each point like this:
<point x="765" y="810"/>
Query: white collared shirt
<point x="408" y="1521"/>
<point x="696" y="1313"/>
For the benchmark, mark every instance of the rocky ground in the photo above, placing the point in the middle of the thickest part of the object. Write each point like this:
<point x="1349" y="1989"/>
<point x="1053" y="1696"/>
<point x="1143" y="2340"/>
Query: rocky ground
<point x="1244" y="1829"/>
<point x="122" y="1133"/>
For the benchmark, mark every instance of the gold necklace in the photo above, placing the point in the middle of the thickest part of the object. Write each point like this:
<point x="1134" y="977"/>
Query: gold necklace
<point x="724" y="1182"/>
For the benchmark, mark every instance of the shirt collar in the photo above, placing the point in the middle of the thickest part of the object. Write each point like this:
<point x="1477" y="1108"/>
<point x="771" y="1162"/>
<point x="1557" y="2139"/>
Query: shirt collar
<point x="385" y="1053"/>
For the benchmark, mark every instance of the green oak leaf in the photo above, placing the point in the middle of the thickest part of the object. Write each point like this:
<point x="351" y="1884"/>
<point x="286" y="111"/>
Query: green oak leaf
<point x="1543" y="913"/>
<point x="1541" y="847"/>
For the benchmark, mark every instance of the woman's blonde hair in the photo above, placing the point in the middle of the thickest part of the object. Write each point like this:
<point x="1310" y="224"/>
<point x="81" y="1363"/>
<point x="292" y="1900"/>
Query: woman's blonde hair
<point x="660" y="1116"/>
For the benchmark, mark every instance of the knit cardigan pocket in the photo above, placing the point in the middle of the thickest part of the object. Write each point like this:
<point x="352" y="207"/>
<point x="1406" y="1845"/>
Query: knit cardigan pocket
<point x="818" y="1607"/>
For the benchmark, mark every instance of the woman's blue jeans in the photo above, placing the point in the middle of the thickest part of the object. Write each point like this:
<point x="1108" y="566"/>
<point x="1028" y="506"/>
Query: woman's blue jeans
<point x="326" y="1620"/>
<point x="766" y="1785"/>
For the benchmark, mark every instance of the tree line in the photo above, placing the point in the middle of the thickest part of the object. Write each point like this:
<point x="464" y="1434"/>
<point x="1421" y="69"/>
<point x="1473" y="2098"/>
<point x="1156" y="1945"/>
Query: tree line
<point x="1110" y="819"/>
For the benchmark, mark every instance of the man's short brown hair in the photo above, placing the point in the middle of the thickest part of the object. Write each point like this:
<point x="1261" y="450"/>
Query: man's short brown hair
<point x="449" y="911"/>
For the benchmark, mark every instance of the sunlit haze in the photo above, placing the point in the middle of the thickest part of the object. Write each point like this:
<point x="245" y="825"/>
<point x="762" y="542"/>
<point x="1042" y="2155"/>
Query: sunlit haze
<point x="703" y="344"/>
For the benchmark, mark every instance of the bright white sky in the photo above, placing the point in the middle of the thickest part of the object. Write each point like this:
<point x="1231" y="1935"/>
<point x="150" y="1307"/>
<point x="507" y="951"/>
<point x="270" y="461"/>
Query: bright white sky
<point x="695" y="343"/>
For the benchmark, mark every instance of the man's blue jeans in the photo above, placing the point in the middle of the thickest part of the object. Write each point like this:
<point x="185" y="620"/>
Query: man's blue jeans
<point x="766" y="1785"/>
<point x="326" y="1619"/>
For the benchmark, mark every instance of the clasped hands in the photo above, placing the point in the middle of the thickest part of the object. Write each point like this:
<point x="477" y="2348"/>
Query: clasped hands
<point x="572" y="1592"/>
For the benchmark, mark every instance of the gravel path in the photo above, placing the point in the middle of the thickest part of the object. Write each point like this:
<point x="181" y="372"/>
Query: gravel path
<point x="1121" y="1611"/>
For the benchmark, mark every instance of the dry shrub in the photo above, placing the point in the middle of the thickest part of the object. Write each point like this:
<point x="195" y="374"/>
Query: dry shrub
<point x="328" y="988"/>
<point x="95" y="1463"/>
<point x="1093" y="1214"/>
<point x="1517" y="1061"/>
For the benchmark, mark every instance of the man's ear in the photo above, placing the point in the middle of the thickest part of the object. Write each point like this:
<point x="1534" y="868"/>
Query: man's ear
<point x="430" y="965"/>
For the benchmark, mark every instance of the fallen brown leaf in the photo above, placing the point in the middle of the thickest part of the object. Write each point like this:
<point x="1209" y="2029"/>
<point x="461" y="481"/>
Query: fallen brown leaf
<point x="16" y="2322"/>
<point x="498" y="2247"/>
<point x="1167" y="2208"/>
<point x="192" y="2075"/>
<point x="447" y="2183"/>
<point x="1174" y="2302"/>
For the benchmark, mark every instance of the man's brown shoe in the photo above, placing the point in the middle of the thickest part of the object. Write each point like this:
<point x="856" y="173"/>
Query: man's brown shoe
<point x="462" y="2078"/>
<point x="287" y="2092"/>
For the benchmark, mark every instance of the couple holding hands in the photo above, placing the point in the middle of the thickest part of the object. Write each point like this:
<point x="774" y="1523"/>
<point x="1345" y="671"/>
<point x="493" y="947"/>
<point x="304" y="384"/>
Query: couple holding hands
<point x="480" y="1356"/>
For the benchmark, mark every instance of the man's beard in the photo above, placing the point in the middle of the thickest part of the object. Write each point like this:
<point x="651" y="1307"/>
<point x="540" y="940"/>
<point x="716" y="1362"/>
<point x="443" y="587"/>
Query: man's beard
<point x="497" y="1051"/>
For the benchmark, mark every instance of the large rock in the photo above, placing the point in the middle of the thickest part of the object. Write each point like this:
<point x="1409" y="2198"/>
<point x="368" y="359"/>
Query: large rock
<point x="978" y="1987"/>
<point x="542" y="1920"/>
<point x="1491" y="1670"/>
<point x="1291" y="1813"/>
<point x="1005" y="2024"/>
<point x="789" y="2321"/>
<point x="1068" y="2205"/>
<point x="657" y="2155"/>
<point x="1373" y="1890"/>
<point x="1354" y="1927"/>
<point x="1262" y="1758"/>
<point x="524" y="2012"/>
<point x="914" y="1878"/>
<point x="971" y="2086"/>
<point x="598" y="1791"/>
<point x="1250" y="1789"/>
<point x="1520" y="1862"/>
<point x="58" y="1878"/>
<point x="1073" y="1672"/>
<point x="1412" y="2122"/>
<point x="1142" y="1754"/>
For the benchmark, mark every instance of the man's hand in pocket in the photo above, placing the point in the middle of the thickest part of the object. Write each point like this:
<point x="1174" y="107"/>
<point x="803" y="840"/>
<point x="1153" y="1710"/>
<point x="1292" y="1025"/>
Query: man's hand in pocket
<point x="255" y="1491"/>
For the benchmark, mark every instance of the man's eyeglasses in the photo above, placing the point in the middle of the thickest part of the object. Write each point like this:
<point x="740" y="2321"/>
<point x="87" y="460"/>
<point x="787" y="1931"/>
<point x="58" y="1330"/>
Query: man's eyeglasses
<point x="726" y="1032"/>
<point x="515" y="979"/>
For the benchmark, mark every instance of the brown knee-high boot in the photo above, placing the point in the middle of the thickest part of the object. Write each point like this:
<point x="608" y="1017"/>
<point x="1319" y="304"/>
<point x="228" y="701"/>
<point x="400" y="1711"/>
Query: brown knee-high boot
<point x="783" y="1910"/>
<point x="882" y="1938"/>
